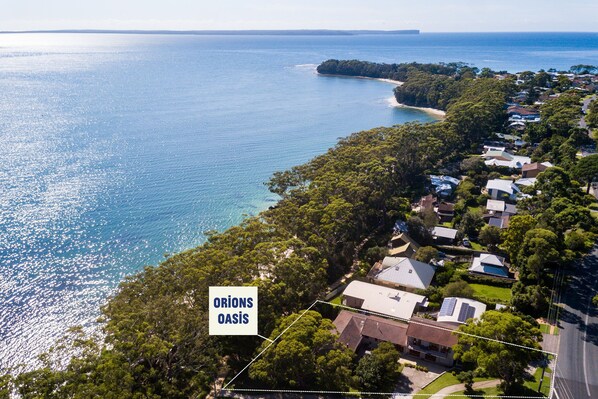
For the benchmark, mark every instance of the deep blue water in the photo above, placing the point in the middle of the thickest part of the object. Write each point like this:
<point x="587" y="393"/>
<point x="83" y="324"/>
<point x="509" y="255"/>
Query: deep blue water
<point x="117" y="149"/>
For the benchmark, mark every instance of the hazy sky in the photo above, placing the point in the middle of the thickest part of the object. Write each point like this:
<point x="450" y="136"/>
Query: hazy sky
<point x="427" y="15"/>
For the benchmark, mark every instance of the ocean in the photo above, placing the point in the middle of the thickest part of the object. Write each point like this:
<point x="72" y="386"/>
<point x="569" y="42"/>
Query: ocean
<point x="118" y="149"/>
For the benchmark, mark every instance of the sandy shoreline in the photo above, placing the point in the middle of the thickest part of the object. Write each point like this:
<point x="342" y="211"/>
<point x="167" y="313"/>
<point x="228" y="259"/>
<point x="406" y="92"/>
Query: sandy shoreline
<point x="393" y="101"/>
<point x="432" y="111"/>
<point x="394" y="82"/>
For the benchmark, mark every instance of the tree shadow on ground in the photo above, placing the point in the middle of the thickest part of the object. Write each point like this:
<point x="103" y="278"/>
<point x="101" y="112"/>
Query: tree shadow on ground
<point x="404" y="385"/>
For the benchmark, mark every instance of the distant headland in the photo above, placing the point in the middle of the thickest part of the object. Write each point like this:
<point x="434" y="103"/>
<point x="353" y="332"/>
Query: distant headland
<point x="295" y="32"/>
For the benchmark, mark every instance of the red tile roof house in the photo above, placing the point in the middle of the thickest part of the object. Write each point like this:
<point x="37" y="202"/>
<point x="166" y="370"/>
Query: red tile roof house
<point x="431" y="340"/>
<point x="362" y="332"/>
<point x="533" y="169"/>
<point x="422" y="338"/>
<point x="522" y="111"/>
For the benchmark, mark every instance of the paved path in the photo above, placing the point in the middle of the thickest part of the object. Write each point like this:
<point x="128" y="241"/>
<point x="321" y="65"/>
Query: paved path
<point x="461" y="387"/>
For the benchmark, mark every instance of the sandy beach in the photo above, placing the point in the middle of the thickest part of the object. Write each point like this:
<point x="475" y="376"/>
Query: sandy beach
<point x="393" y="102"/>
<point x="394" y="82"/>
<point x="432" y="111"/>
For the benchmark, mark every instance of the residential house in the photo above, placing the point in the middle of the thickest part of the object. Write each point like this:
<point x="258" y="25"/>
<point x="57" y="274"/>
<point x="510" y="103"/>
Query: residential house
<point x="445" y="211"/>
<point x="431" y="340"/>
<point x="444" y="235"/>
<point x="382" y="300"/>
<point x="458" y="310"/>
<point x="534" y="169"/>
<point x="498" y="213"/>
<point x="501" y="222"/>
<point x="497" y="208"/>
<point x="489" y="265"/>
<point x="503" y="158"/>
<point x="500" y="189"/>
<point x="524" y="114"/>
<point x="403" y="245"/>
<point x="525" y="181"/>
<point x="402" y="273"/>
<point x="512" y="139"/>
<point x="443" y="185"/>
<point x="425" y="204"/>
<point x="400" y="227"/>
<point x="364" y="332"/>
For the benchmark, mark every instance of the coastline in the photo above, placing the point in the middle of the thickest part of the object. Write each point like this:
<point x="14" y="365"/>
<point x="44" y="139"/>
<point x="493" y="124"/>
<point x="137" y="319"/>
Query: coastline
<point x="393" y="101"/>
<point x="394" y="82"/>
<point x="432" y="111"/>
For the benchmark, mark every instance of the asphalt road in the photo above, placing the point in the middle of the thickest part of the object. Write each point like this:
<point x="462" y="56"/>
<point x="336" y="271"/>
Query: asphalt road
<point x="584" y="108"/>
<point x="577" y="366"/>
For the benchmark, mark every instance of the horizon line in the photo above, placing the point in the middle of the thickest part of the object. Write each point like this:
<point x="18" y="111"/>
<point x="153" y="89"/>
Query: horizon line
<point x="300" y="31"/>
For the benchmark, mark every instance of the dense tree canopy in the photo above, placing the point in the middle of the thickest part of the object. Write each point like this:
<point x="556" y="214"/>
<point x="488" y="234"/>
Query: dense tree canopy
<point x="306" y="356"/>
<point x="494" y="357"/>
<point x="587" y="170"/>
<point x="398" y="72"/>
<point x="379" y="370"/>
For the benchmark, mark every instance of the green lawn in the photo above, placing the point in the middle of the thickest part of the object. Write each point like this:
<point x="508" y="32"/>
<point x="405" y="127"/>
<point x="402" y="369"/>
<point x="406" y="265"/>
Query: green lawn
<point x="476" y="246"/>
<point x="445" y="380"/>
<point x="545" y="328"/>
<point x="530" y="387"/>
<point x="533" y="385"/>
<point x="337" y="300"/>
<point x="489" y="292"/>
<point x="486" y="391"/>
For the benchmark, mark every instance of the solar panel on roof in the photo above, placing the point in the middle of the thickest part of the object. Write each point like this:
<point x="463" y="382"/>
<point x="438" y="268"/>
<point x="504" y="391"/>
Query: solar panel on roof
<point x="470" y="312"/>
<point x="463" y="312"/>
<point x="466" y="312"/>
<point x="448" y="307"/>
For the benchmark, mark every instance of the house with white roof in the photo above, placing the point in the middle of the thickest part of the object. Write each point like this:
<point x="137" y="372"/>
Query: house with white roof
<point x="382" y="300"/>
<point x="502" y="158"/>
<point x="444" y="235"/>
<point x="525" y="181"/>
<point x="495" y="205"/>
<point x="443" y="185"/>
<point x="489" y="265"/>
<point x="500" y="189"/>
<point x="499" y="208"/>
<point x="402" y="273"/>
<point x="459" y="310"/>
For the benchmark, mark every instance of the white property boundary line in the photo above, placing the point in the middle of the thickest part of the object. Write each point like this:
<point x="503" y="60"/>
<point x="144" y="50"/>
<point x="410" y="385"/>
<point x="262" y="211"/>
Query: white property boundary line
<point x="225" y="388"/>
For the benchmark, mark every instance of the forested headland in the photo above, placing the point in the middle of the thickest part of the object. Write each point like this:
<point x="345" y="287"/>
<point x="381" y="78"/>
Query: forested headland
<point x="155" y="341"/>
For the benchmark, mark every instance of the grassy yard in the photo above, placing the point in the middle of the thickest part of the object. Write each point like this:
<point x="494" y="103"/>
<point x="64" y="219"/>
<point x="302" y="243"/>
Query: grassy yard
<point x="445" y="380"/>
<point x="489" y="292"/>
<point x="533" y="385"/>
<point x="545" y="328"/>
<point x="491" y="392"/>
<point x="336" y="300"/>
<point x="477" y="246"/>
<point x="530" y="387"/>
